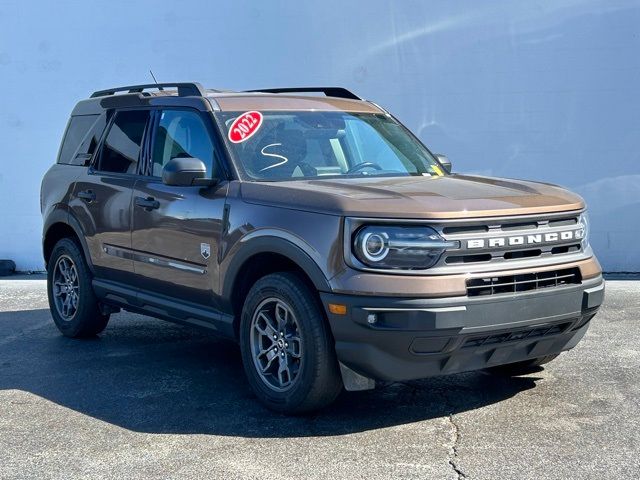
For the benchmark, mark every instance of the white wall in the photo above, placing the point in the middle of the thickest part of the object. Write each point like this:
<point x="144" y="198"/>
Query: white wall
<point x="546" y="90"/>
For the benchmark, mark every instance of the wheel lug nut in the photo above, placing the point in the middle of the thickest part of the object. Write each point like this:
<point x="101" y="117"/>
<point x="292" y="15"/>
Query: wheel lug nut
<point x="286" y="345"/>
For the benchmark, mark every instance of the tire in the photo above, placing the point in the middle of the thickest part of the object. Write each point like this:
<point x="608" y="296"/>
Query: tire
<point x="303" y="342"/>
<point x="73" y="304"/>
<point x="522" y="368"/>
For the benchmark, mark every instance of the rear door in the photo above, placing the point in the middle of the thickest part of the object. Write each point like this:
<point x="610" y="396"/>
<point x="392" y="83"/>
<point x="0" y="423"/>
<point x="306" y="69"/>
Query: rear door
<point x="102" y="195"/>
<point x="176" y="230"/>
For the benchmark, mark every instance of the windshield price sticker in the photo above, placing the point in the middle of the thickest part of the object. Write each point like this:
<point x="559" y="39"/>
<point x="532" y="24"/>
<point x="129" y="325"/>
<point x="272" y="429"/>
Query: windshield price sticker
<point x="245" y="126"/>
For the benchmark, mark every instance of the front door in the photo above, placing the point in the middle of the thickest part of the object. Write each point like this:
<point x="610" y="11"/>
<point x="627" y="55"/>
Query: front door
<point x="176" y="230"/>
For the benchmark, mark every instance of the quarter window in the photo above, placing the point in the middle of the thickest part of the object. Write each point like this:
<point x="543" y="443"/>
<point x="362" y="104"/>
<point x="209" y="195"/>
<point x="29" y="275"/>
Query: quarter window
<point x="121" y="149"/>
<point x="78" y="129"/>
<point x="90" y="143"/>
<point x="181" y="133"/>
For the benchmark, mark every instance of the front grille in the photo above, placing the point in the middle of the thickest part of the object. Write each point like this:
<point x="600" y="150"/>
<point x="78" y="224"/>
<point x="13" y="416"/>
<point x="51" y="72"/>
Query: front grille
<point x="533" y="332"/>
<point x="510" y="226"/>
<point x="524" y="282"/>
<point x="530" y="236"/>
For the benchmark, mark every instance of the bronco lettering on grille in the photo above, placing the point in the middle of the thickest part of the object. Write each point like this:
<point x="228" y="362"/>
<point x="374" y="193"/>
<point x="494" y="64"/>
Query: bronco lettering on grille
<point x="535" y="239"/>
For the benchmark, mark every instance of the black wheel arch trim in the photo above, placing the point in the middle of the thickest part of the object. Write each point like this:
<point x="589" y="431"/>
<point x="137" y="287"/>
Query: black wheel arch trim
<point x="61" y="214"/>
<point x="278" y="245"/>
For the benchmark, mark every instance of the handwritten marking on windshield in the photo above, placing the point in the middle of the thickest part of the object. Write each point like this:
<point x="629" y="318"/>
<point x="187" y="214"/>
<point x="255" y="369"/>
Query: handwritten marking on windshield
<point x="274" y="155"/>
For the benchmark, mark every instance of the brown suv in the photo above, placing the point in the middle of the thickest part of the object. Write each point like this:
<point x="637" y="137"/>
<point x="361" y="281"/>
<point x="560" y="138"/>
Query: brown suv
<point x="315" y="230"/>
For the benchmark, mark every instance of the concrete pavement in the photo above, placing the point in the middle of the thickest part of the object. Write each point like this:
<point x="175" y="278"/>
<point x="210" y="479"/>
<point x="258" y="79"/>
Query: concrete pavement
<point x="149" y="399"/>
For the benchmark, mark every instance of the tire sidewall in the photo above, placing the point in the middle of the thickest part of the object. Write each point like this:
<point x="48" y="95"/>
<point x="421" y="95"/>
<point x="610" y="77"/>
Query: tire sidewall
<point x="306" y="315"/>
<point x="73" y="327"/>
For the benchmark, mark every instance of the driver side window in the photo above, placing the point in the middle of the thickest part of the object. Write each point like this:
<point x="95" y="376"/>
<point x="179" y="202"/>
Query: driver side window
<point x="181" y="133"/>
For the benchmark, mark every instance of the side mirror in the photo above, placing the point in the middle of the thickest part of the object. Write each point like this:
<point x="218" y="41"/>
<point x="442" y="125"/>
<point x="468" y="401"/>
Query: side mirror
<point x="446" y="163"/>
<point x="186" y="172"/>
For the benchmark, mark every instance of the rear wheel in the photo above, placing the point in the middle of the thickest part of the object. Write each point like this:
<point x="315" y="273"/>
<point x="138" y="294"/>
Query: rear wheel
<point x="73" y="304"/>
<point x="522" y="368"/>
<point x="287" y="349"/>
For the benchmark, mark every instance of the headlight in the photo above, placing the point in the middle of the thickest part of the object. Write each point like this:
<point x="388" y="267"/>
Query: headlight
<point x="583" y="221"/>
<point x="394" y="247"/>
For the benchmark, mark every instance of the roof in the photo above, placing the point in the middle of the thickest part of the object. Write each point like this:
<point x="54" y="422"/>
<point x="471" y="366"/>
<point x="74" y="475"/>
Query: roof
<point x="268" y="101"/>
<point x="192" y="94"/>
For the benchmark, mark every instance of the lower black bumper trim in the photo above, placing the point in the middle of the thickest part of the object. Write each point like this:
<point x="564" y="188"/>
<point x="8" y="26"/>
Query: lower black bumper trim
<point x="417" y="338"/>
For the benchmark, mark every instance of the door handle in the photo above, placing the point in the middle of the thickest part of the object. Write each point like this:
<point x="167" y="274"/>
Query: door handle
<point x="148" y="203"/>
<point x="87" y="195"/>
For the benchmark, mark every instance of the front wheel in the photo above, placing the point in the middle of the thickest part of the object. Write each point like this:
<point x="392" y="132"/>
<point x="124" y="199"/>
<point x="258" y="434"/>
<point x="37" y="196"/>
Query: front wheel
<point x="74" y="306"/>
<point x="287" y="349"/>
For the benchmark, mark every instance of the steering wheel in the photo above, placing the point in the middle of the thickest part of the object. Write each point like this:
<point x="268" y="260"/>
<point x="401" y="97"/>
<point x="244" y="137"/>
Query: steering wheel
<point x="362" y="165"/>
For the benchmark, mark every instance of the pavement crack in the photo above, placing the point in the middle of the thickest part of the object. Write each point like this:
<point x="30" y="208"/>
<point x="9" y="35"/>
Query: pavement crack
<point x="453" y="448"/>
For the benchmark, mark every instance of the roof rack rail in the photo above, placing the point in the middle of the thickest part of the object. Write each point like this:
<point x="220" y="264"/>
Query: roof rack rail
<point x="184" y="89"/>
<point x="328" y="91"/>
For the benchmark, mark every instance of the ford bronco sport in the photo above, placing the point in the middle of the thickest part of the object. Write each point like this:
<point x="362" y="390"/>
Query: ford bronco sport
<point x="317" y="231"/>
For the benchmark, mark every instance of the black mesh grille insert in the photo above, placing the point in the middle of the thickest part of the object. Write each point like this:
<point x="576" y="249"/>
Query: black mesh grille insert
<point x="523" y="282"/>
<point x="533" y="332"/>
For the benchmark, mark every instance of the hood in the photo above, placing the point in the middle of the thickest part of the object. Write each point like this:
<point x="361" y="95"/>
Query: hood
<point x="450" y="196"/>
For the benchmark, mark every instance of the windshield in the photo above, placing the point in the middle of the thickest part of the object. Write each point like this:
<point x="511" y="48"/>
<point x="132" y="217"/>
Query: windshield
<point x="276" y="145"/>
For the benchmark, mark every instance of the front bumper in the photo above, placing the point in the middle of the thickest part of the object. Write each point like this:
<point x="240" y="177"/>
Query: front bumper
<point x="415" y="338"/>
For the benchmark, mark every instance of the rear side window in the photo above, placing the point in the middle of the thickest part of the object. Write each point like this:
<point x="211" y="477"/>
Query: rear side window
<point x="78" y="129"/>
<point x="121" y="148"/>
<point x="91" y="140"/>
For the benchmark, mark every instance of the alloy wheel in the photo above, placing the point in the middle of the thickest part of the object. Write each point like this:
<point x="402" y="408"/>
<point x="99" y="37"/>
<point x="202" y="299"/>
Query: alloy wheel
<point x="276" y="345"/>
<point x="66" y="287"/>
